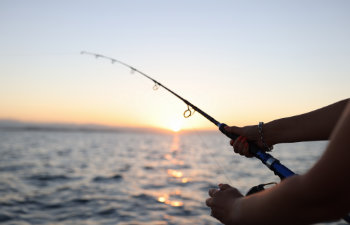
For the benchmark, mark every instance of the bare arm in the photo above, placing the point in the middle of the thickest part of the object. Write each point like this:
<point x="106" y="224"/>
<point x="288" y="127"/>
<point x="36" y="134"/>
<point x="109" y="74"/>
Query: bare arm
<point x="322" y="194"/>
<point x="311" y="126"/>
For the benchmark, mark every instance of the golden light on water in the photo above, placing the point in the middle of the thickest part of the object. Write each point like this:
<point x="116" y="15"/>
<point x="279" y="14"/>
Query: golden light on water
<point x="166" y="199"/>
<point x="176" y="203"/>
<point x="168" y="156"/>
<point x="161" y="199"/>
<point x="175" y="144"/>
<point x="173" y="198"/>
<point x="175" y="173"/>
<point x="184" y="180"/>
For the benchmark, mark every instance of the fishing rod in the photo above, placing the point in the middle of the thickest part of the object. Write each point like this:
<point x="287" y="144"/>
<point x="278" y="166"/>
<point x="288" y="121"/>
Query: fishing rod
<point x="272" y="163"/>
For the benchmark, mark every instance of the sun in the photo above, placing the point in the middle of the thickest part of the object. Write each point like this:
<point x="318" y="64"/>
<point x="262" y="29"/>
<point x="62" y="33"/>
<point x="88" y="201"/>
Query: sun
<point x="176" y="125"/>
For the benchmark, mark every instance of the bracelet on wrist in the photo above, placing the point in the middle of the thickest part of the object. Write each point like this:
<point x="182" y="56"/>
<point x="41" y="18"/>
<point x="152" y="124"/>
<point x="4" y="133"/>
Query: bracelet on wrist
<point x="261" y="133"/>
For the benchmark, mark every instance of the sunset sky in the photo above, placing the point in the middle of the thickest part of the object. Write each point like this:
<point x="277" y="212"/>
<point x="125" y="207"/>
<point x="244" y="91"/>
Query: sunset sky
<point x="240" y="61"/>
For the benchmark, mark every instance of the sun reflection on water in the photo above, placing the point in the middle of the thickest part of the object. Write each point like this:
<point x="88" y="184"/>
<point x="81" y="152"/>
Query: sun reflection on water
<point x="175" y="173"/>
<point x="173" y="198"/>
<point x="175" y="144"/>
<point x="185" y="180"/>
<point x="170" y="199"/>
<point x="173" y="160"/>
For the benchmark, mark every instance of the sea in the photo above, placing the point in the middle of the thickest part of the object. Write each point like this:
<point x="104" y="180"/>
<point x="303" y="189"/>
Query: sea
<point x="127" y="177"/>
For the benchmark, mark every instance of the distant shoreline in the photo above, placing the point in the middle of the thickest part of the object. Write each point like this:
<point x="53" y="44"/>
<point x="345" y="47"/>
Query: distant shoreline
<point x="15" y="125"/>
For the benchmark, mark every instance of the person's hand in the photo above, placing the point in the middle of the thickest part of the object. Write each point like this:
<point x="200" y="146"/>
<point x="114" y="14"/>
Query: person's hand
<point x="224" y="203"/>
<point x="248" y="133"/>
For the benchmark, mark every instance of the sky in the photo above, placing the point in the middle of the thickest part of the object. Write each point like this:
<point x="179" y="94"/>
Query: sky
<point x="240" y="61"/>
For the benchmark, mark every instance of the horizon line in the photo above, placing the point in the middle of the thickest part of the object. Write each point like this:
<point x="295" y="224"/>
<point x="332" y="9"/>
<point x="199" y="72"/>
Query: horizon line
<point x="24" y="125"/>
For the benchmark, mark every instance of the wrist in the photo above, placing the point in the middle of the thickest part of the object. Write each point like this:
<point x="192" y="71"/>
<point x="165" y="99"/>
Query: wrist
<point x="270" y="136"/>
<point x="236" y="209"/>
<point x="262" y="130"/>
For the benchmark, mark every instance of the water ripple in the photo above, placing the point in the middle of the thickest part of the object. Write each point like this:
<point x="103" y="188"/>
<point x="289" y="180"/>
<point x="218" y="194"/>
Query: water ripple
<point x="121" y="178"/>
<point x="115" y="177"/>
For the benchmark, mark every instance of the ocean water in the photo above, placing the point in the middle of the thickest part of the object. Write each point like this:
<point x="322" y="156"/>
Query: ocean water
<point x="126" y="177"/>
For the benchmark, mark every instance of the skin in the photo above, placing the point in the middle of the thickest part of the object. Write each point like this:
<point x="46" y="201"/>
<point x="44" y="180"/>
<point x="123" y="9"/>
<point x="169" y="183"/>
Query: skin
<point x="321" y="194"/>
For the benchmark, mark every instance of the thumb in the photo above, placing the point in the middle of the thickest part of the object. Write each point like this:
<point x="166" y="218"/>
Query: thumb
<point x="234" y="129"/>
<point x="223" y="187"/>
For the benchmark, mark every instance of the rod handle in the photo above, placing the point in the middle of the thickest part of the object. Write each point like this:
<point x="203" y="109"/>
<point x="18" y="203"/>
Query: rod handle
<point x="267" y="159"/>
<point x="253" y="148"/>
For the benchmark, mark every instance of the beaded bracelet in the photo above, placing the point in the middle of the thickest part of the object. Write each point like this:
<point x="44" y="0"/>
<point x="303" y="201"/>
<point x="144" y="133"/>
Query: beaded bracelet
<point x="260" y="128"/>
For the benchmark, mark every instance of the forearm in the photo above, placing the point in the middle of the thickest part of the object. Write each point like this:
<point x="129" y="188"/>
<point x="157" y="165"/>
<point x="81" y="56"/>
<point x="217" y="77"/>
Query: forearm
<point x="322" y="194"/>
<point x="287" y="203"/>
<point x="272" y="206"/>
<point x="312" y="126"/>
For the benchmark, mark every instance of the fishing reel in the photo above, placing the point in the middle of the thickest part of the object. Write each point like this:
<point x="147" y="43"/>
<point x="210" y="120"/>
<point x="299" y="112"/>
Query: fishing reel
<point x="259" y="188"/>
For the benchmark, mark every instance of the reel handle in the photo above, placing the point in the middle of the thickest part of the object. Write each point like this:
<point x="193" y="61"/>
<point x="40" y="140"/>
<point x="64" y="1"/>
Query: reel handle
<point x="259" y="188"/>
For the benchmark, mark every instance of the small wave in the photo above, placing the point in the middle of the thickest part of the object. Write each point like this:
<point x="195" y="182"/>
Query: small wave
<point x="53" y="206"/>
<point x="153" y="186"/>
<point x="148" y="167"/>
<point x="108" y="211"/>
<point x="80" y="200"/>
<point x="115" y="177"/>
<point x="144" y="197"/>
<point x="125" y="168"/>
<point x="7" y="188"/>
<point x="13" y="168"/>
<point x="5" y="204"/>
<point x="26" y="201"/>
<point x="65" y="152"/>
<point x="4" y="217"/>
<point x="46" y="177"/>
